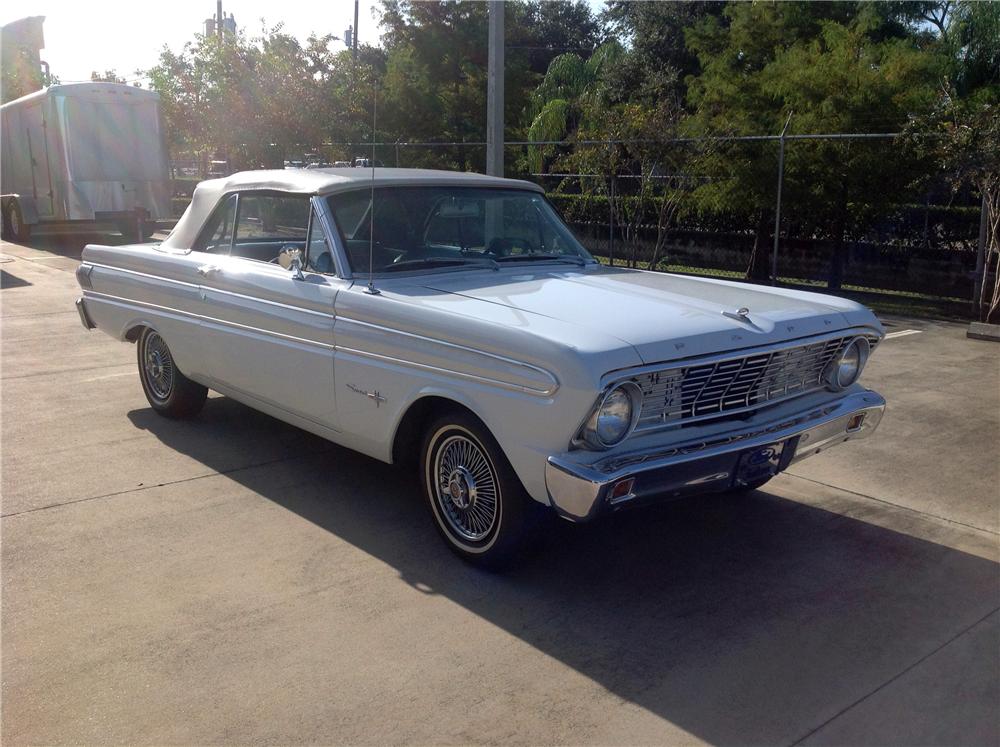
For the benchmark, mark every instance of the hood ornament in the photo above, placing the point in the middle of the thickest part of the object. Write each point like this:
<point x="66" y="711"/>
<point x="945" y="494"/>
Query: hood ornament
<point x="741" y="315"/>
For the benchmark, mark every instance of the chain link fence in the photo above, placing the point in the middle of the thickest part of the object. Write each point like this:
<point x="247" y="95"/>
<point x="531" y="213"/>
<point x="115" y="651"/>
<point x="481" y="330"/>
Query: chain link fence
<point x="917" y="244"/>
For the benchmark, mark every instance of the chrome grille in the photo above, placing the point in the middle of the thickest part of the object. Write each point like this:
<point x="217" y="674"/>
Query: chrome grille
<point x="707" y="390"/>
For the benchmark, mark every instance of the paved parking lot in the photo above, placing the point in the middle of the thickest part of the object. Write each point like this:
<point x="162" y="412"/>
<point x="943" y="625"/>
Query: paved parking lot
<point x="234" y="579"/>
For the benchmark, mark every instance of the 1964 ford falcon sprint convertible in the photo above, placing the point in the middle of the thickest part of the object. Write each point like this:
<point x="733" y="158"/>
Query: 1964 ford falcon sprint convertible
<point x="454" y="320"/>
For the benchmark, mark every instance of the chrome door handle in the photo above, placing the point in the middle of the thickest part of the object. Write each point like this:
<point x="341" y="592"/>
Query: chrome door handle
<point x="208" y="269"/>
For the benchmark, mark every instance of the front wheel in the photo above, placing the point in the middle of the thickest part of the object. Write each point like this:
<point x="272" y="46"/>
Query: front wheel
<point x="477" y="501"/>
<point x="169" y="392"/>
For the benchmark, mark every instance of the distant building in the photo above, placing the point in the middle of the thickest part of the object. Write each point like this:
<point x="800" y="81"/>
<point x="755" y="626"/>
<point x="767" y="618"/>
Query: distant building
<point x="21" y="43"/>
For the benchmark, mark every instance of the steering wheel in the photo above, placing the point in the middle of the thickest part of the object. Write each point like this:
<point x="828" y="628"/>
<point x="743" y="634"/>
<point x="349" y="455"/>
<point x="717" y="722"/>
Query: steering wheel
<point x="500" y="247"/>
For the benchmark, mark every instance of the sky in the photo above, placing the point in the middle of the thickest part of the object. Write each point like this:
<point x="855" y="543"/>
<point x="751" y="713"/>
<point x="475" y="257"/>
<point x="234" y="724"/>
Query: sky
<point x="81" y="37"/>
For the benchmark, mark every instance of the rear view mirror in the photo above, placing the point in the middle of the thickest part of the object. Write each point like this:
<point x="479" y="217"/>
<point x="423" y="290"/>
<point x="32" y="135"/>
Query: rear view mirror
<point x="459" y="209"/>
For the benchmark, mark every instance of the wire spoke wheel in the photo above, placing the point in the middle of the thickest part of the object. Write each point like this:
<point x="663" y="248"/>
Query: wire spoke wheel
<point x="466" y="488"/>
<point x="158" y="367"/>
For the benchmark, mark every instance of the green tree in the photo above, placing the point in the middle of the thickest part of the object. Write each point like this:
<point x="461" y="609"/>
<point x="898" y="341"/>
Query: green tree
<point x="659" y="62"/>
<point x="620" y="143"/>
<point x="961" y="132"/>
<point x="108" y="76"/>
<point x="442" y="42"/>
<point x="251" y="100"/>
<point x="435" y="85"/>
<point x="841" y="68"/>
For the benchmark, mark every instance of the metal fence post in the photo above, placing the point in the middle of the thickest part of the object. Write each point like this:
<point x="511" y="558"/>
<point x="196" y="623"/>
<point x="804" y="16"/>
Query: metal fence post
<point x="777" y="206"/>
<point x="611" y="223"/>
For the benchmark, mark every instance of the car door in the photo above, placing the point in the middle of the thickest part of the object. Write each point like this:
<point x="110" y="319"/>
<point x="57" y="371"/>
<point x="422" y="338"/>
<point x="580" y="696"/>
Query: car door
<point x="268" y="331"/>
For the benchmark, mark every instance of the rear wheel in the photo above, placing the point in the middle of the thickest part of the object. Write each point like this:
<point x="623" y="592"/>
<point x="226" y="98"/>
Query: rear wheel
<point x="477" y="501"/>
<point x="170" y="393"/>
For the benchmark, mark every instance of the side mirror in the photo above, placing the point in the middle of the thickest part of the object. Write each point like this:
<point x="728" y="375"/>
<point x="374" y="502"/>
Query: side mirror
<point x="290" y="258"/>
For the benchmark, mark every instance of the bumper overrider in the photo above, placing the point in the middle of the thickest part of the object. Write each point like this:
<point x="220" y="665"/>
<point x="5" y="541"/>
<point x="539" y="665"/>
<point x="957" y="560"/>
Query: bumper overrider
<point x="580" y="491"/>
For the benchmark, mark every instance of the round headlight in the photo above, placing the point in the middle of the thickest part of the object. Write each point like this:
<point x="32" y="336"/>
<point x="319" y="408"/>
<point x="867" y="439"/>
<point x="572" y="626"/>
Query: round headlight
<point x="614" y="419"/>
<point x="846" y="368"/>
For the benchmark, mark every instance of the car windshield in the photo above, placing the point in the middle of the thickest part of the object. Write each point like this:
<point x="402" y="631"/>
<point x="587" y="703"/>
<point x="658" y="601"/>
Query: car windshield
<point x="420" y="228"/>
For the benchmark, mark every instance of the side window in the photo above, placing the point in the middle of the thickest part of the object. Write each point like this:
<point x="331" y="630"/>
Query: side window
<point x="216" y="236"/>
<point x="265" y="223"/>
<point x="319" y="258"/>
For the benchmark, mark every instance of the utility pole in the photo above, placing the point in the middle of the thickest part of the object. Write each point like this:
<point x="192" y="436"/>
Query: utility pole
<point x="494" y="92"/>
<point x="777" y="206"/>
<point x="354" y="36"/>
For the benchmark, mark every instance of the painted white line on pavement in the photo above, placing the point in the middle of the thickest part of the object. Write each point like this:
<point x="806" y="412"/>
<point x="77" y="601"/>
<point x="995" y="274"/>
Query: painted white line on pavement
<point x="903" y="333"/>
<point x="109" y="376"/>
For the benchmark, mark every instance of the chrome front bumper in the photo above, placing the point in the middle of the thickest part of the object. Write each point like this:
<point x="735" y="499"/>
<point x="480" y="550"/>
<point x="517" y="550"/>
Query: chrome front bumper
<point x="580" y="491"/>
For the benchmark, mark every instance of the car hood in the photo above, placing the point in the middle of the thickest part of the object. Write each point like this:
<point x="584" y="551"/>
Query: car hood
<point x="662" y="316"/>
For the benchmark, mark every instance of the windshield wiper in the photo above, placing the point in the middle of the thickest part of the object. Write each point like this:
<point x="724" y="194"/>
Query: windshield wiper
<point x="539" y="257"/>
<point x="429" y="262"/>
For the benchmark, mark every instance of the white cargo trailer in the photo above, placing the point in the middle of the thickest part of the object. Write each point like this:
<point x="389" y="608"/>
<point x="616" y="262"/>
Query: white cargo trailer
<point x="81" y="153"/>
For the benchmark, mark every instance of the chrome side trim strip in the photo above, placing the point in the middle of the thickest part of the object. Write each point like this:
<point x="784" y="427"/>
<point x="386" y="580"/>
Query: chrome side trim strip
<point x="213" y="289"/>
<point x="205" y="319"/>
<point x="333" y="348"/>
<point x="127" y="271"/>
<point x="449" y="372"/>
<point x="464" y="348"/>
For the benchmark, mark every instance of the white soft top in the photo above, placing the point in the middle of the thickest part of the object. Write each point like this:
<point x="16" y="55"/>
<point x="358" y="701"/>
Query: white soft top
<point x="319" y="182"/>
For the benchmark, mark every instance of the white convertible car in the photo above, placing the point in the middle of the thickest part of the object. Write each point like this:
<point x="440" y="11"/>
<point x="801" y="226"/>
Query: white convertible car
<point x="454" y="320"/>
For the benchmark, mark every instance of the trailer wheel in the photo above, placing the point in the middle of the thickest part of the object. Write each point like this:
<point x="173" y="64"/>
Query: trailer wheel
<point x="14" y="226"/>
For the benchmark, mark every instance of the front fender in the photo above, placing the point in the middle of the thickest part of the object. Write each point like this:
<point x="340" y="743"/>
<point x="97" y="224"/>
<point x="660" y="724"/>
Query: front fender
<point x="374" y="396"/>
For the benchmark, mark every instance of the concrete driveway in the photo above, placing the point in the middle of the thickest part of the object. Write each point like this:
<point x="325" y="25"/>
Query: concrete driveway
<point x="233" y="579"/>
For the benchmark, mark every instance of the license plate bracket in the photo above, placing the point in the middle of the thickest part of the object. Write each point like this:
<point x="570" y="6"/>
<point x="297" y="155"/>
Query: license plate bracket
<point x="763" y="462"/>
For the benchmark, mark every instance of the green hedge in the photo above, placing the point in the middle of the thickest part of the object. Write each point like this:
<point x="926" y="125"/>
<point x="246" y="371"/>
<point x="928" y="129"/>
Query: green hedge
<point x="950" y="226"/>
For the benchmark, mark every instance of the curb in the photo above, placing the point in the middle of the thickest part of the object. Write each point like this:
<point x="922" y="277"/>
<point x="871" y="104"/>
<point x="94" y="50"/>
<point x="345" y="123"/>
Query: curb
<point x="983" y="331"/>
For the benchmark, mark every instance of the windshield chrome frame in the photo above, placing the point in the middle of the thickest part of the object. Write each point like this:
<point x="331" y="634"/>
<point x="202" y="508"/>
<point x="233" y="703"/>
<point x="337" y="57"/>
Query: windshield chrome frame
<point x="322" y="207"/>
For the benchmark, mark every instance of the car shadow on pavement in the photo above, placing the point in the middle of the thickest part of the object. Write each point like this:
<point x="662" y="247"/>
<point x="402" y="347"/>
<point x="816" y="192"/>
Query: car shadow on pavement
<point x="748" y="620"/>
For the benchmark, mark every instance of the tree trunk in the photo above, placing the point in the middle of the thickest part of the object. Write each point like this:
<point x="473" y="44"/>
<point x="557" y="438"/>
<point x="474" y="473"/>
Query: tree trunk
<point x="757" y="271"/>
<point x="992" y="306"/>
